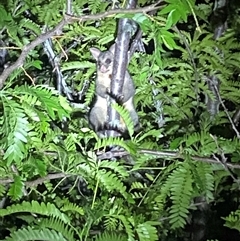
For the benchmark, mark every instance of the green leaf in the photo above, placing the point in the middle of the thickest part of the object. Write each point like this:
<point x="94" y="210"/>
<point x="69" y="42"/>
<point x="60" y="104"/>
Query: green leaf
<point x="48" y="209"/>
<point x="16" y="188"/>
<point x="77" y="65"/>
<point x="169" y="21"/>
<point x="39" y="166"/>
<point x="139" y="18"/>
<point x="167" y="39"/>
<point x="146" y="232"/>
<point x="29" y="233"/>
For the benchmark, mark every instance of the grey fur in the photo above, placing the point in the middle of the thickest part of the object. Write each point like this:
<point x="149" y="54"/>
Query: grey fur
<point x="98" y="113"/>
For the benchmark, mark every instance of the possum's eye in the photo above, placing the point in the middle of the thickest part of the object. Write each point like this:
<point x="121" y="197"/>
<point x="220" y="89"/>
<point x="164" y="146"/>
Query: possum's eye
<point x="108" y="61"/>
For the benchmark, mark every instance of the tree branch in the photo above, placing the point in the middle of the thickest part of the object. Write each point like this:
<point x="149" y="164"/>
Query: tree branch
<point x="125" y="28"/>
<point x="121" y="153"/>
<point x="219" y="23"/>
<point x="38" y="180"/>
<point x="165" y="154"/>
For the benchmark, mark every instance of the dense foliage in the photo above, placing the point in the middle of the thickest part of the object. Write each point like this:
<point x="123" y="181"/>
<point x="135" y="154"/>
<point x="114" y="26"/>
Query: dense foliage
<point x="181" y="176"/>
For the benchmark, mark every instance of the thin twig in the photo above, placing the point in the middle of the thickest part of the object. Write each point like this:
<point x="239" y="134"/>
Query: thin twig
<point x="226" y="112"/>
<point x="223" y="159"/>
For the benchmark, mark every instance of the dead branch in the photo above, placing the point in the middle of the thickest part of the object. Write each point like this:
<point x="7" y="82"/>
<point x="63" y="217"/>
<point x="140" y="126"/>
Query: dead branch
<point x="38" y="180"/>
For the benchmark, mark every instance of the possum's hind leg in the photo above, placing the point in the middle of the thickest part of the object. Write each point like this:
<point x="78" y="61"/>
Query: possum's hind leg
<point x="97" y="118"/>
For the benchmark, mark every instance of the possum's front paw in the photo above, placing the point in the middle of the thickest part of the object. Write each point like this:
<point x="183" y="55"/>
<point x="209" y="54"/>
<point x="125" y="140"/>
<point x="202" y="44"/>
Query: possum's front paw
<point x="119" y="98"/>
<point x="115" y="125"/>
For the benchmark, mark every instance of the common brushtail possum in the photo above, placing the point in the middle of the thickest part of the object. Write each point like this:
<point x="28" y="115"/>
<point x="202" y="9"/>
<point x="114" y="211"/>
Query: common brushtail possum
<point x="98" y="114"/>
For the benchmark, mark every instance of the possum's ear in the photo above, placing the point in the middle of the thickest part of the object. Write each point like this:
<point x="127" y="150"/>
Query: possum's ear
<point x="112" y="49"/>
<point x="95" y="53"/>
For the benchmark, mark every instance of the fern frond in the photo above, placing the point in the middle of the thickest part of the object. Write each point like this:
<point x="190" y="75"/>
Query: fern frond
<point x="233" y="220"/>
<point x="114" y="166"/>
<point x="46" y="98"/>
<point x="90" y="94"/>
<point x="165" y="181"/>
<point x="112" y="141"/>
<point x="16" y="128"/>
<point x="138" y="185"/>
<point x="16" y="188"/>
<point x="35" y="207"/>
<point x="70" y="143"/>
<point x="77" y="65"/>
<point x="2" y="190"/>
<point x="181" y="193"/>
<point x="30" y="25"/>
<point x="29" y="233"/>
<point x="137" y="195"/>
<point x="72" y="207"/>
<point x="111" y="223"/>
<point x="107" y="236"/>
<point x="204" y="179"/>
<point x="94" y="5"/>
<point x="178" y="187"/>
<point x="111" y="182"/>
<point x="52" y="223"/>
<point x="127" y="225"/>
<point x="125" y="115"/>
<point x="136" y="188"/>
<point x="147" y="232"/>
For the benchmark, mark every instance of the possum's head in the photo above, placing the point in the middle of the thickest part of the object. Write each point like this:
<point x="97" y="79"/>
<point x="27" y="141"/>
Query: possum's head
<point x="104" y="59"/>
